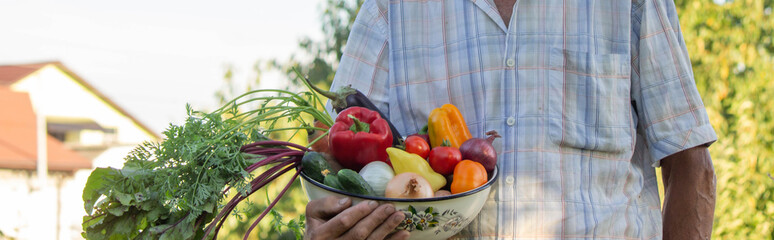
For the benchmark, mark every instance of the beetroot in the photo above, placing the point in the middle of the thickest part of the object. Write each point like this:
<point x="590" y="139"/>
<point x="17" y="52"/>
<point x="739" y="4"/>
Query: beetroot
<point x="481" y="150"/>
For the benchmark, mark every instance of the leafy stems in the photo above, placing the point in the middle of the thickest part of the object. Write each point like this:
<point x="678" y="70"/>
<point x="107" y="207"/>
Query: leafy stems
<point x="268" y="208"/>
<point x="168" y="189"/>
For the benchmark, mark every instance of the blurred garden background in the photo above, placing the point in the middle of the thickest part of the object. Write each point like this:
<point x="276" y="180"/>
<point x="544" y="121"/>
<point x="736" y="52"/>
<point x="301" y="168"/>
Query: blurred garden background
<point x="731" y="45"/>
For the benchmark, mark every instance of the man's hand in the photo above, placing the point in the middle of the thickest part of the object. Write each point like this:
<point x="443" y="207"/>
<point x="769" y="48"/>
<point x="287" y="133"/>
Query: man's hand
<point x="689" y="187"/>
<point x="333" y="218"/>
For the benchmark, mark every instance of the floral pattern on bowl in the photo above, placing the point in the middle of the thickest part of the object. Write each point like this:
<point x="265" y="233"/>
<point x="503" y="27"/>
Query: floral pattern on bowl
<point x="429" y="218"/>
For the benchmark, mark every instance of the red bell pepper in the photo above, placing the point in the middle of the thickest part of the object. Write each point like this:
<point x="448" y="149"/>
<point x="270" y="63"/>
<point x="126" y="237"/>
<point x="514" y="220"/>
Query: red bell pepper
<point x="360" y="136"/>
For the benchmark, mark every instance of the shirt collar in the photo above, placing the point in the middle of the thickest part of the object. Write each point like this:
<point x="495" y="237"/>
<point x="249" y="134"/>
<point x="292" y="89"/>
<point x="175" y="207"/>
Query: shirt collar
<point x="491" y="10"/>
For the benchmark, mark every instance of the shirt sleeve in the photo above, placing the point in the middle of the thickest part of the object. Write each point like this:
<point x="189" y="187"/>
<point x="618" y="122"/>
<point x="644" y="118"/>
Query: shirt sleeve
<point x="364" y="63"/>
<point x="670" y="111"/>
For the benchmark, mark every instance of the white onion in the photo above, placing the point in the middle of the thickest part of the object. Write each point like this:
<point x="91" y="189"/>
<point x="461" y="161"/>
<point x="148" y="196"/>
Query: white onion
<point x="377" y="174"/>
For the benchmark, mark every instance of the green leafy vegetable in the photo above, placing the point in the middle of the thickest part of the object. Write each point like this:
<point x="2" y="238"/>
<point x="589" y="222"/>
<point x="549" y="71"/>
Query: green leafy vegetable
<point x="172" y="189"/>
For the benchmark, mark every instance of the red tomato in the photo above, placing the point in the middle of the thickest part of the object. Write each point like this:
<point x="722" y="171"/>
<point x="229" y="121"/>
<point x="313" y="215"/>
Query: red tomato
<point x="444" y="159"/>
<point x="418" y="146"/>
<point x="423" y="136"/>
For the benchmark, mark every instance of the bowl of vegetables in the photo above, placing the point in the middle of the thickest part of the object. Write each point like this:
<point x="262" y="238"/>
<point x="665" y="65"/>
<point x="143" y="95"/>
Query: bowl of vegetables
<point x="439" y="178"/>
<point x="228" y="154"/>
<point x="434" y="217"/>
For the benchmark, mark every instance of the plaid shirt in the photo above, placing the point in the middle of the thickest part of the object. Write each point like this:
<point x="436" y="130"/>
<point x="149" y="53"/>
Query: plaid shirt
<point x="588" y="96"/>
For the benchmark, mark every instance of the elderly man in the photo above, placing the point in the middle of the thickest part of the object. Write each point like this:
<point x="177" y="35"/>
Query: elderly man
<point x="588" y="95"/>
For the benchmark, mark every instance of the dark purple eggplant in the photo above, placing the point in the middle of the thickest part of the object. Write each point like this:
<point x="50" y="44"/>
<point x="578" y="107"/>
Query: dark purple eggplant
<point x="350" y="97"/>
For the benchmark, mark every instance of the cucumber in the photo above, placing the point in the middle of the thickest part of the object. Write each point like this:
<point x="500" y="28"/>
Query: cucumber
<point x="313" y="164"/>
<point x="354" y="183"/>
<point x="332" y="181"/>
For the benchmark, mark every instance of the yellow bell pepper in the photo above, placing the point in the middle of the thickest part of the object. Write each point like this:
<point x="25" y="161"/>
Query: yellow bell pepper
<point x="403" y="161"/>
<point x="446" y="123"/>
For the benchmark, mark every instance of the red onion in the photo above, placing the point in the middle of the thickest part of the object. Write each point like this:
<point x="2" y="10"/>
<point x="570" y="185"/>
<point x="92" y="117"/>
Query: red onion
<point x="481" y="150"/>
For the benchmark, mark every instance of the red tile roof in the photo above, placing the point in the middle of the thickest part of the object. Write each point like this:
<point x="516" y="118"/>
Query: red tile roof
<point x="18" y="138"/>
<point x="61" y="158"/>
<point x="10" y="74"/>
<point x="17" y="127"/>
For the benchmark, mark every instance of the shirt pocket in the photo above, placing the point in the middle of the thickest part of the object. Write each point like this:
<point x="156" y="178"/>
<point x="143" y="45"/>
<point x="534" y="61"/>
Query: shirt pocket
<point x="590" y="103"/>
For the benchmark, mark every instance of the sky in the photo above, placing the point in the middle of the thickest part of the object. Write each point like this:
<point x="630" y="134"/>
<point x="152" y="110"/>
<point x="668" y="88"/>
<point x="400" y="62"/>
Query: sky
<point x="154" y="57"/>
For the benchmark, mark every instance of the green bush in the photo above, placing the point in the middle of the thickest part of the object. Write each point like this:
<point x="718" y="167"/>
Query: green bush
<point x="732" y="50"/>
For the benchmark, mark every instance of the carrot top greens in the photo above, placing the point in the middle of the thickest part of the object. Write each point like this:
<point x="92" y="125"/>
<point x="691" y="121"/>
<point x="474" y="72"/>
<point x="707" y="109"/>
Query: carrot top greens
<point x="172" y="189"/>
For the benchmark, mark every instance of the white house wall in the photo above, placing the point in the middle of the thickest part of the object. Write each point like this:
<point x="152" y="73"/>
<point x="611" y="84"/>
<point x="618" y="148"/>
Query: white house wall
<point x="55" y="94"/>
<point x="52" y="211"/>
<point x="55" y="211"/>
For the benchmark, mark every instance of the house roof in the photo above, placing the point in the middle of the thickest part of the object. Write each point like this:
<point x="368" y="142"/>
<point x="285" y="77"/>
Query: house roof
<point x="18" y="138"/>
<point x="10" y="74"/>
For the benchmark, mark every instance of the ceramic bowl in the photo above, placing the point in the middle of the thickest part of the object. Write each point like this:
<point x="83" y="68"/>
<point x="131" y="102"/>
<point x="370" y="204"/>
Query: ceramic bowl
<point x="427" y="218"/>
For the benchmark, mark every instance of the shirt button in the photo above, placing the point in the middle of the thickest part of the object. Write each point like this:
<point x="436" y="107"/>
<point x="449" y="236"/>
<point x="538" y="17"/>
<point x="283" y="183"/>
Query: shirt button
<point x="510" y="62"/>
<point x="510" y="121"/>
<point x="509" y="180"/>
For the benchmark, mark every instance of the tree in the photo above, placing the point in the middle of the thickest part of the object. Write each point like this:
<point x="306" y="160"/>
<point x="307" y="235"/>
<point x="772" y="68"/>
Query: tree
<point x="337" y="19"/>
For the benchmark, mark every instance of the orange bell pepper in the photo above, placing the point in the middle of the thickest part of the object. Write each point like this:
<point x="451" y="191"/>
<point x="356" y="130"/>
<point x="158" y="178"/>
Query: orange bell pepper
<point x="446" y="123"/>
<point x="468" y="175"/>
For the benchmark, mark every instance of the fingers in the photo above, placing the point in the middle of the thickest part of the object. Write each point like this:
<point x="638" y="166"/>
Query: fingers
<point x="366" y="226"/>
<point x="319" y="211"/>
<point x="386" y="226"/>
<point x="326" y="208"/>
<point x="330" y="217"/>
<point x="347" y="219"/>
<point x="400" y="235"/>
